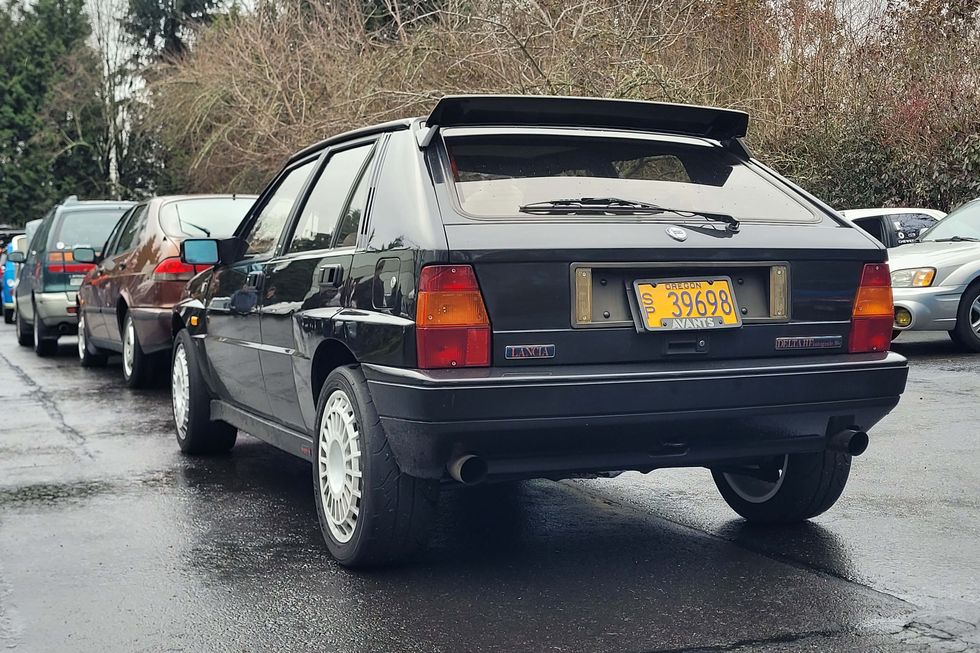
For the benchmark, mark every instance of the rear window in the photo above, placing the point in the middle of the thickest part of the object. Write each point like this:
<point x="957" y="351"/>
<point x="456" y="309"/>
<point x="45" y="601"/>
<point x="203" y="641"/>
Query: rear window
<point x="217" y="217"/>
<point x="88" y="227"/>
<point x="497" y="174"/>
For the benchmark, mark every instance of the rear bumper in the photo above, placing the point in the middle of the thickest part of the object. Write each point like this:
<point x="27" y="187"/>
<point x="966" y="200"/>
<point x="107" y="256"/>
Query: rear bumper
<point x="554" y="421"/>
<point x="932" y="309"/>
<point x="153" y="327"/>
<point x="52" y="309"/>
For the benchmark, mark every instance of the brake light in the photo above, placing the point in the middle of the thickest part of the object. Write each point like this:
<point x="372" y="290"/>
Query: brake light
<point x="451" y="324"/>
<point x="63" y="263"/>
<point x="873" y="312"/>
<point x="173" y="269"/>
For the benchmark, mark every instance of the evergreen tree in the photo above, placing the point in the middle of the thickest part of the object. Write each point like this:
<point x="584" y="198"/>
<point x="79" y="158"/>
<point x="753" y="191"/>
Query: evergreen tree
<point x="47" y="125"/>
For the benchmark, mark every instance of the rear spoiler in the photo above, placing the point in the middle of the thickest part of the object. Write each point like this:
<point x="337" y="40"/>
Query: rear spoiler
<point x="550" y="111"/>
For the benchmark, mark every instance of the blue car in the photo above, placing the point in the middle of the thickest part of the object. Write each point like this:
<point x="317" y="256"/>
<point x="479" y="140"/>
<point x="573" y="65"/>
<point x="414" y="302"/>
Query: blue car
<point x="9" y="280"/>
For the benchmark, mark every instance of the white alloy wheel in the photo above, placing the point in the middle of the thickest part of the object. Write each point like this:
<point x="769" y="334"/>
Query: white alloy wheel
<point x="81" y="337"/>
<point x="339" y="466"/>
<point x="37" y="329"/>
<point x="129" y="346"/>
<point x="181" y="391"/>
<point x="756" y="490"/>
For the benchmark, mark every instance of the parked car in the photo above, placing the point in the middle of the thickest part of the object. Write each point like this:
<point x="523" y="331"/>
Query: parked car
<point x="936" y="281"/>
<point x="49" y="279"/>
<point x="125" y="303"/>
<point x="537" y="287"/>
<point x="29" y="230"/>
<point x="894" y="227"/>
<point x="10" y="270"/>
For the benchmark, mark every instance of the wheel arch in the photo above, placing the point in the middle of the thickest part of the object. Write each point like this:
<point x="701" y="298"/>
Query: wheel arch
<point x="329" y="355"/>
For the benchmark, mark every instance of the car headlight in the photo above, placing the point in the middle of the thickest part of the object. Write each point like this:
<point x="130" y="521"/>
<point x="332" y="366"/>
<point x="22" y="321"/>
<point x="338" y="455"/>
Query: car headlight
<point x="913" y="278"/>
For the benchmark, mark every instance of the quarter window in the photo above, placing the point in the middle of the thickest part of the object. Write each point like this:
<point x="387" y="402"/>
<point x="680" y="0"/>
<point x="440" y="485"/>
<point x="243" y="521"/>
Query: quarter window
<point x="272" y="218"/>
<point x="318" y="221"/>
<point x="347" y="234"/>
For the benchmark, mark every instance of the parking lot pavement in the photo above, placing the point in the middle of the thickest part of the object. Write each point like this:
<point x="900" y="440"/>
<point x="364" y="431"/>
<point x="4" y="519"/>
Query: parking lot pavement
<point x="112" y="541"/>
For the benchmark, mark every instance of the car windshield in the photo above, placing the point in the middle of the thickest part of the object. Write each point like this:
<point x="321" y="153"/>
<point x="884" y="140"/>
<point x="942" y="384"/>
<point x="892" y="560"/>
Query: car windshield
<point x="498" y="175"/>
<point x="213" y="217"/>
<point x="87" y="227"/>
<point x="962" y="224"/>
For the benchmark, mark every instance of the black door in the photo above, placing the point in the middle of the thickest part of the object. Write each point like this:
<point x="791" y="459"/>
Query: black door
<point x="233" y="331"/>
<point x="311" y="274"/>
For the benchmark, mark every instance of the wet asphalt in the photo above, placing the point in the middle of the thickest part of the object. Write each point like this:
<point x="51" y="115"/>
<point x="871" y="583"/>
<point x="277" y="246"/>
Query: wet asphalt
<point x="110" y="540"/>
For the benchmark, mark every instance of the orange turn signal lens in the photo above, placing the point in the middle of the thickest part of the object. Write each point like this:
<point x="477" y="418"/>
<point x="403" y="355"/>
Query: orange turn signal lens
<point x="873" y="302"/>
<point x="445" y="309"/>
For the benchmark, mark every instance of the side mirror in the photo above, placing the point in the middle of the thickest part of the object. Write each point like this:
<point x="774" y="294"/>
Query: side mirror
<point x="16" y="256"/>
<point x="83" y="254"/>
<point x="200" y="251"/>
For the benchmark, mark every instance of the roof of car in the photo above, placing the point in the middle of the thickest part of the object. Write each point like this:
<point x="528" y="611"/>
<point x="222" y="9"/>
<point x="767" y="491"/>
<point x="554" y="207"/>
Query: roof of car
<point x="869" y="213"/>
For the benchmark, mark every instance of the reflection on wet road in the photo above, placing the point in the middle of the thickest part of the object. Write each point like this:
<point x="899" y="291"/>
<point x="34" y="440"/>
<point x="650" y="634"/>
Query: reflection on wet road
<point x="112" y="541"/>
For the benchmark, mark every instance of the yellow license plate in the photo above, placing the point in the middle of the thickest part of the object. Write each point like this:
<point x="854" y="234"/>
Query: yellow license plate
<point x="687" y="304"/>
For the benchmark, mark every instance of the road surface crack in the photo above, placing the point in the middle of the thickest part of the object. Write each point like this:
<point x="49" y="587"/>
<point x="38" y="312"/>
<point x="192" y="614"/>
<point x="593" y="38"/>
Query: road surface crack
<point x="50" y="407"/>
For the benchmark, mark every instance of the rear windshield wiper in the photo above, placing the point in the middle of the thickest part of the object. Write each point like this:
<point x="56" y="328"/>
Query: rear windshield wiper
<point x="955" y="239"/>
<point x="616" y="206"/>
<point x="198" y="227"/>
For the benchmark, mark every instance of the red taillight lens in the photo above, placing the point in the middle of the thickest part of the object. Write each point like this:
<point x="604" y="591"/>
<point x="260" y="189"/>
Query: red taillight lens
<point x="173" y="269"/>
<point x="873" y="312"/>
<point x="451" y="324"/>
<point x="63" y="263"/>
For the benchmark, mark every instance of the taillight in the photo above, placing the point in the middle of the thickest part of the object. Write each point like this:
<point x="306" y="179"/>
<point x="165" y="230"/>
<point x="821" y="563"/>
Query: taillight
<point x="173" y="269"/>
<point x="451" y="325"/>
<point x="873" y="313"/>
<point x="64" y="263"/>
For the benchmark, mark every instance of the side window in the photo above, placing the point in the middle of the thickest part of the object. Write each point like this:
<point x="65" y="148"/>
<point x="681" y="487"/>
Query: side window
<point x="110" y="242"/>
<point x="272" y="218"/>
<point x="873" y="226"/>
<point x="129" y="234"/>
<point x="316" y="225"/>
<point x="347" y="233"/>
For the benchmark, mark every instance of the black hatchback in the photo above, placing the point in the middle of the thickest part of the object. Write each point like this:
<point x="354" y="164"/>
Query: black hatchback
<point x="537" y="287"/>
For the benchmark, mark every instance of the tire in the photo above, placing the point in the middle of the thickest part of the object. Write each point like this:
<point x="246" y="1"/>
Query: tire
<point x="967" y="331"/>
<point x="25" y="334"/>
<point x="138" y="368"/>
<point x="43" y="346"/>
<point x="809" y="484"/>
<point x="197" y="433"/>
<point x="395" y="511"/>
<point x="8" y="316"/>
<point x="88" y="354"/>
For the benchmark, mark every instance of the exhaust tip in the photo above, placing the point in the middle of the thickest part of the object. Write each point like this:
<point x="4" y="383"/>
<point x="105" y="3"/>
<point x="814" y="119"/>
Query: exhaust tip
<point x="849" y="441"/>
<point x="858" y="444"/>
<point x="468" y="470"/>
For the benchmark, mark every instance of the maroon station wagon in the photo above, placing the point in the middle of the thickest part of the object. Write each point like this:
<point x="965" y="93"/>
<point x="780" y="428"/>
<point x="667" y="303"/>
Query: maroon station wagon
<point x="125" y="302"/>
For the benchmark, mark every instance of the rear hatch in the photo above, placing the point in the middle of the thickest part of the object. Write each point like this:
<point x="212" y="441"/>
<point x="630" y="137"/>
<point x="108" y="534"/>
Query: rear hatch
<point x="88" y="226"/>
<point x="576" y="267"/>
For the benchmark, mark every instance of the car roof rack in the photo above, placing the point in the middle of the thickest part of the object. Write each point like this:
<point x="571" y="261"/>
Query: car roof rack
<point x="596" y="113"/>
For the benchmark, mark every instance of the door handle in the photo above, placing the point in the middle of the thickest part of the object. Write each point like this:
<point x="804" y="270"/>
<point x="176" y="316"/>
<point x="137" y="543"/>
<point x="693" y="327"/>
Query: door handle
<point x="253" y="279"/>
<point x="331" y="275"/>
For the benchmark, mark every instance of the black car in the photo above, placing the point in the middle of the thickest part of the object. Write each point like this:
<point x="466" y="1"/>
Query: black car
<point x="519" y="287"/>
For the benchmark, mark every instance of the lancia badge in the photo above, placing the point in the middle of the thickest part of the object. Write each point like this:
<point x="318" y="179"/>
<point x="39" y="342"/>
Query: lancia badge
<point x="677" y="233"/>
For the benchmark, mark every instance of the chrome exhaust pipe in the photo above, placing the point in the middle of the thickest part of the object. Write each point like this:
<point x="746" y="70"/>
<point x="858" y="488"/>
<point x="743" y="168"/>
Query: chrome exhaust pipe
<point x="468" y="470"/>
<point x="849" y="441"/>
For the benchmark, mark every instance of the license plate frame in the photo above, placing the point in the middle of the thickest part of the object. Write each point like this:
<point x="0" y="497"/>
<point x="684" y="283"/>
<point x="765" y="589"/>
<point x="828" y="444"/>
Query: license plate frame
<point x="651" y="321"/>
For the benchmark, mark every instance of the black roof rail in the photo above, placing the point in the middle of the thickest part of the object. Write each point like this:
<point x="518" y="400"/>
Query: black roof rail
<point x="553" y="111"/>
